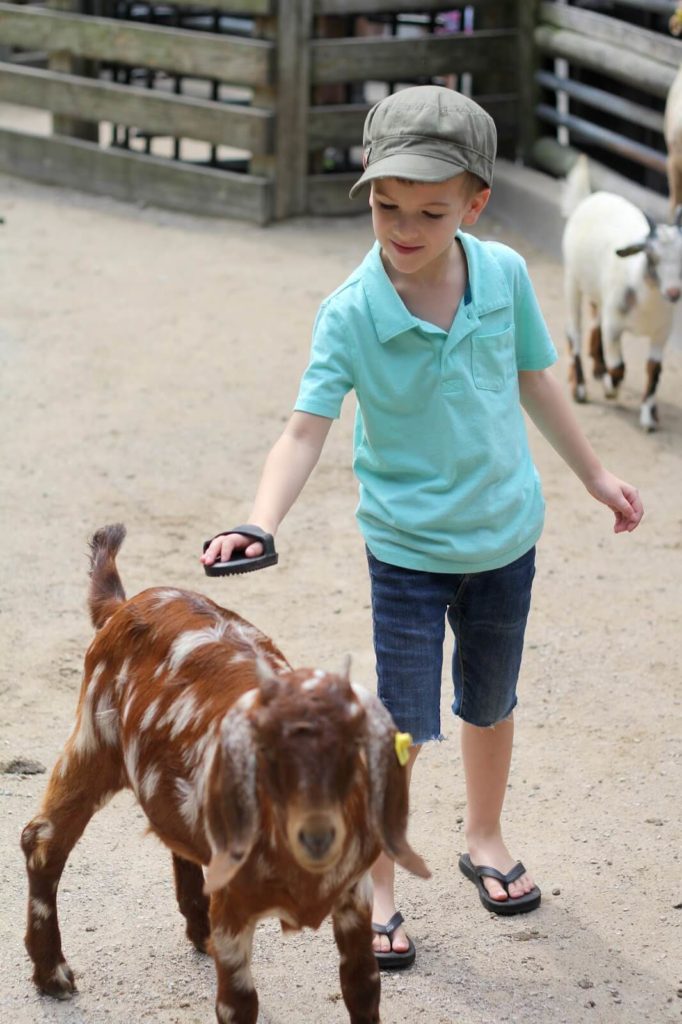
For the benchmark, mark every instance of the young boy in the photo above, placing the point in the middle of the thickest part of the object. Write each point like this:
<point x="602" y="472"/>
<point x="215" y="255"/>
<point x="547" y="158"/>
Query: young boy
<point x="441" y="338"/>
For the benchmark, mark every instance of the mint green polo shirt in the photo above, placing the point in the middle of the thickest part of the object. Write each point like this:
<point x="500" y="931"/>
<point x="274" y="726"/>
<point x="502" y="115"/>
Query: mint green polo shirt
<point x="446" y="479"/>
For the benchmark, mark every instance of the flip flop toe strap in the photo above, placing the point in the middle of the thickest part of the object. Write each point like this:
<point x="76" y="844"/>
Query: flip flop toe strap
<point x="515" y="873"/>
<point x="390" y="927"/>
<point x="485" y="872"/>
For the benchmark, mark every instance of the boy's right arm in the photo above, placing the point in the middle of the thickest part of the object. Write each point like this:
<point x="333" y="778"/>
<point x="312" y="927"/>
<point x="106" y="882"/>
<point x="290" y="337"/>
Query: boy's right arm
<point x="289" y="464"/>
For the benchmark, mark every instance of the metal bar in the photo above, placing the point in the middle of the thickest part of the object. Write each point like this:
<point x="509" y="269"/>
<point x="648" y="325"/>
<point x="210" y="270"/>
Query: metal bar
<point x="604" y="138"/>
<point x="602" y="100"/>
<point x="646" y="6"/>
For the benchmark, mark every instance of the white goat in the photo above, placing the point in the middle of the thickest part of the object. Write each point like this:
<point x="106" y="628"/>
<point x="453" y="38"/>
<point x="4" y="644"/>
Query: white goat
<point x="634" y="294"/>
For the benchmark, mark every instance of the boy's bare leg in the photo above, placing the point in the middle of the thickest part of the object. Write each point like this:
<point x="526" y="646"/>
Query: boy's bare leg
<point x="383" y="878"/>
<point x="486" y="755"/>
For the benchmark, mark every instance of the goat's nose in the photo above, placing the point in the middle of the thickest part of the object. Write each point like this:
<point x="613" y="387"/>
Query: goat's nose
<point x="316" y="840"/>
<point x="672" y="294"/>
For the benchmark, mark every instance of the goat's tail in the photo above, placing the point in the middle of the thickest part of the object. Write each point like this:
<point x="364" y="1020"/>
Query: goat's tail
<point x="576" y="186"/>
<point x="106" y="590"/>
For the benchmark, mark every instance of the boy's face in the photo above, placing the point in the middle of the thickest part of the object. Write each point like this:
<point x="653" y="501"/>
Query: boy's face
<point x="415" y="223"/>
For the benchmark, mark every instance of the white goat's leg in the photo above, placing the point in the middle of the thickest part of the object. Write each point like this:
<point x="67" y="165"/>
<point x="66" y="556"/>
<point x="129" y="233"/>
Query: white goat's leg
<point x="613" y="355"/>
<point x="674" y="168"/>
<point x="574" y="334"/>
<point x="596" y="348"/>
<point x="648" y="412"/>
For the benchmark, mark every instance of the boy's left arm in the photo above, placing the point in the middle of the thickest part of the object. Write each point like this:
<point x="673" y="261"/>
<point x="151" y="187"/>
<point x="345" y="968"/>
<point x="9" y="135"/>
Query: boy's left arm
<point x="548" y="407"/>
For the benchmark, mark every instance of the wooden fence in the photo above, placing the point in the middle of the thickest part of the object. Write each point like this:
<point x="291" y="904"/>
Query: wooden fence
<point x="600" y="82"/>
<point x="292" y="80"/>
<point x="284" y="73"/>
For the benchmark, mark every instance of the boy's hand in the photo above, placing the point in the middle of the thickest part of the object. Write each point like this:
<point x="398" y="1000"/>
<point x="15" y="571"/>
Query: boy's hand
<point x="621" y="497"/>
<point x="222" y="548"/>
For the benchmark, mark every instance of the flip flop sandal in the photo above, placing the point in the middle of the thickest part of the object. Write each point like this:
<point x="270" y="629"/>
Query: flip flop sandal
<point x="239" y="563"/>
<point x="392" y="960"/>
<point x="514" y="904"/>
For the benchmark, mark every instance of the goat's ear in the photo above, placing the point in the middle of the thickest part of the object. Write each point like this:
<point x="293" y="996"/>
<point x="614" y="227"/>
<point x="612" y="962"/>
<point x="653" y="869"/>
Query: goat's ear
<point x="388" y="785"/>
<point x="230" y="808"/>
<point x="269" y="683"/>
<point x="631" y="250"/>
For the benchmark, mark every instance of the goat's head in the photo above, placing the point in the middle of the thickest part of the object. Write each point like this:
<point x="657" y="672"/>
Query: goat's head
<point x="663" y="250"/>
<point x="307" y="738"/>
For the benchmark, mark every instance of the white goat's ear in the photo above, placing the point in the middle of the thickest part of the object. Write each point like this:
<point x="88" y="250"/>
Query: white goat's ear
<point x="631" y="250"/>
<point x="230" y="805"/>
<point x="388" y="785"/>
<point x="345" y="668"/>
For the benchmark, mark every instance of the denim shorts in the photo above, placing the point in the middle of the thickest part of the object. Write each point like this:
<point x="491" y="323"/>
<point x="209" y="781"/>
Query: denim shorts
<point x="487" y="612"/>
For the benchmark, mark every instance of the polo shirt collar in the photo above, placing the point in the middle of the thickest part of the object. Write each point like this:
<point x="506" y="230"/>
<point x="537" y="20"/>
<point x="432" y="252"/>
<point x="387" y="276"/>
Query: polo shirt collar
<point x="488" y="289"/>
<point x="390" y="314"/>
<point x="489" y="286"/>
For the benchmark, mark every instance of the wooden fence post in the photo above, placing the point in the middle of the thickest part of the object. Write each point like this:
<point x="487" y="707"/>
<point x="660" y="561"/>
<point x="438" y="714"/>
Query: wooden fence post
<point x="75" y="127"/>
<point x="289" y="96"/>
<point x="528" y="62"/>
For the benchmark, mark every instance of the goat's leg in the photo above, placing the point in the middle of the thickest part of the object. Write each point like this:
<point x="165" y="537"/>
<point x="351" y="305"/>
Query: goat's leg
<point x="648" y="412"/>
<point x="359" y="973"/>
<point x="79" y="786"/>
<point x="576" y="375"/>
<point x="674" y="168"/>
<point x="613" y="356"/>
<point x="597" y="352"/>
<point x="231" y="943"/>
<point x="193" y="903"/>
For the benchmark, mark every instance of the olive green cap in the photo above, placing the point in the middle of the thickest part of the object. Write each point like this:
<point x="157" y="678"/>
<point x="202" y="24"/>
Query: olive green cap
<point x="427" y="133"/>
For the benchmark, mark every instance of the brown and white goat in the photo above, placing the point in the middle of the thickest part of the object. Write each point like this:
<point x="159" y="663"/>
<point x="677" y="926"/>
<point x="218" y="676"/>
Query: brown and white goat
<point x="283" y="784"/>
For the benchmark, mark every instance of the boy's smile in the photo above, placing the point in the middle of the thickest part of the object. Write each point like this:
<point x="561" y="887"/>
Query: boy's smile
<point x="416" y="222"/>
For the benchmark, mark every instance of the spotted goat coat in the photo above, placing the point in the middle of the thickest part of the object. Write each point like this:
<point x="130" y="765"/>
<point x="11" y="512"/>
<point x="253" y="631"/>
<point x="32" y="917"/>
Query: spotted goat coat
<point x="275" y="789"/>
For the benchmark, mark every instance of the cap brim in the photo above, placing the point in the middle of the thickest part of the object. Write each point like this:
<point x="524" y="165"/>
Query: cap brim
<point x="412" y="167"/>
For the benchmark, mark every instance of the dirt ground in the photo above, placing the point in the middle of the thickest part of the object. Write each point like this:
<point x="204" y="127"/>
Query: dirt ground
<point x="148" y="360"/>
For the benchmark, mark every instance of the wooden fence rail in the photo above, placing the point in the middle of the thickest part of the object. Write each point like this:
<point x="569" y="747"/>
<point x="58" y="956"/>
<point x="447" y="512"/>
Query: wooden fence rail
<point x="240" y="61"/>
<point x="357" y="60"/>
<point x="150" y="111"/>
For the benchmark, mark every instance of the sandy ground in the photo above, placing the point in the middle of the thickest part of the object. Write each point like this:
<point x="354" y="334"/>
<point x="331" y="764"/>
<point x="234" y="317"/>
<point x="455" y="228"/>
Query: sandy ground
<point x="148" y="360"/>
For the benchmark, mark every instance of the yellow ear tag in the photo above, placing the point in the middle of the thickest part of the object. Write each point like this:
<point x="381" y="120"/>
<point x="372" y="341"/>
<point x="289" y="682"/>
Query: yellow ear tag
<point x="403" y="742"/>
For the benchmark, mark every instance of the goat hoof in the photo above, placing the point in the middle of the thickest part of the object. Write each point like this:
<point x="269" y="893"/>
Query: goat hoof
<point x="580" y="394"/>
<point x="610" y="388"/>
<point x="648" y="422"/>
<point x="199" y="942"/>
<point x="60" y="983"/>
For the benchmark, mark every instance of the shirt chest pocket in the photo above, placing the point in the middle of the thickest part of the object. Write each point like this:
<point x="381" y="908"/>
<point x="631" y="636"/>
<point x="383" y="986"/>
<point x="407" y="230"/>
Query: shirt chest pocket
<point x="493" y="359"/>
